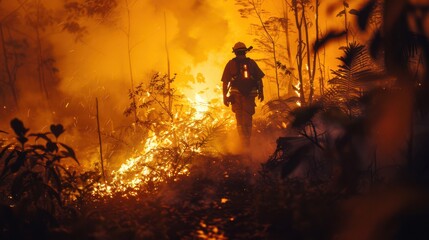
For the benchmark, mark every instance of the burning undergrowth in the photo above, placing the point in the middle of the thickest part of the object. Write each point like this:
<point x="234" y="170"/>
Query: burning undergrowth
<point x="167" y="153"/>
<point x="176" y="132"/>
<point x="180" y="182"/>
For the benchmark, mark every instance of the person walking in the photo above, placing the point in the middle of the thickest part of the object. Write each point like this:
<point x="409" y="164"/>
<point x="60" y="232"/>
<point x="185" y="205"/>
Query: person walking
<point x="241" y="84"/>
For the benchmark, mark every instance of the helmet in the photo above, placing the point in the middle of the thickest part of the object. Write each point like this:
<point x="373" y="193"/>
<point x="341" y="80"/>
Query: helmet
<point x="239" y="46"/>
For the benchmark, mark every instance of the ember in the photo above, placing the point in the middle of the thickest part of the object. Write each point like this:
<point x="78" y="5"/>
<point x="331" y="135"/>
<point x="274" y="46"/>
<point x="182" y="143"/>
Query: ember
<point x="169" y="150"/>
<point x="137" y="119"/>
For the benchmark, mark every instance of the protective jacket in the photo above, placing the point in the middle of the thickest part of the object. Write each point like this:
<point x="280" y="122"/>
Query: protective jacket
<point x="243" y="75"/>
<point x="242" y="78"/>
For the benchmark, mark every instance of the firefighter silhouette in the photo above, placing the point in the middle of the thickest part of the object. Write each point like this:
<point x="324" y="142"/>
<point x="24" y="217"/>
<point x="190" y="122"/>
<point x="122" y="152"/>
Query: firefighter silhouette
<point x="241" y="84"/>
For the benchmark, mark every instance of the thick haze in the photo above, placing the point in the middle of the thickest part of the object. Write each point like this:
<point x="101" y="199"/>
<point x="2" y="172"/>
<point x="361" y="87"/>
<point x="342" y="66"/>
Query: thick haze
<point x="199" y="39"/>
<point x="199" y="35"/>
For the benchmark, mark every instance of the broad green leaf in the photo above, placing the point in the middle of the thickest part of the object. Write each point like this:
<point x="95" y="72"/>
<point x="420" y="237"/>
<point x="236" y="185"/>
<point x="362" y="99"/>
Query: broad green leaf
<point x="40" y="135"/>
<point x="70" y="152"/>
<point x="51" y="146"/>
<point x="57" y="129"/>
<point x="18" y="127"/>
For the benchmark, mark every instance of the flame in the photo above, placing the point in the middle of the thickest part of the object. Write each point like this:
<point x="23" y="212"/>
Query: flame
<point x="201" y="106"/>
<point x="167" y="151"/>
<point x="210" y="232"/>
<point x="297" y="87"/>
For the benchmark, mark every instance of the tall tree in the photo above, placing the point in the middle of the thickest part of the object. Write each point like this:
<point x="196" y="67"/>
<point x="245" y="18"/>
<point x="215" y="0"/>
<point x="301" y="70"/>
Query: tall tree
<point x="297" y="7"/>
<point x="39" y="18"/>
<point x="11" y="55"/>
<point x="346" y="22"/>
<point x="313" y="73"/>
<point x="288" y="68"/>
<point x="130" y="63"/>
<point x="10" y="78"/>
<point x="286" y="24"/>
<point x="24" y="35"/>
<point x="255" y="7"/>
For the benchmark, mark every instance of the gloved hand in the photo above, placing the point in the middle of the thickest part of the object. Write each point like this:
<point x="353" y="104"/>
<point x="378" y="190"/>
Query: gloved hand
<point x="225" y="101"/>
<point x="261" y="96"/>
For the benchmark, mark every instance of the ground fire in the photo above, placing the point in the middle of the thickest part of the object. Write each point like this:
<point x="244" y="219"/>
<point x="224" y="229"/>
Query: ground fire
<point x="198" y="119"/>
<point x="170" y="148"/>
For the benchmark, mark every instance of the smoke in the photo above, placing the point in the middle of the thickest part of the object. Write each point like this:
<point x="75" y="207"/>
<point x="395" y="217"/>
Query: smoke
<point x="190" y="31"/>
<point x="121" y="47"/>
<point x="112" y="52"/>
<point x="200" y="27"/>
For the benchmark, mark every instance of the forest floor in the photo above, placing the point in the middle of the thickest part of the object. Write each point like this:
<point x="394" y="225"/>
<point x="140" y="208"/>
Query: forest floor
<point x="229" y="197"/>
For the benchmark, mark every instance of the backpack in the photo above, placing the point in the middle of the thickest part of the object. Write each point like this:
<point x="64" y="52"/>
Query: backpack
<point x="243" y="79"/>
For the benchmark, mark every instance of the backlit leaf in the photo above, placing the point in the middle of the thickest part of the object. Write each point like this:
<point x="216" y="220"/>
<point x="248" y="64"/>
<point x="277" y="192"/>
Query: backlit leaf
<point x="70" y="152"/>
<point x="18" y="127"/>
<point x="57" y="130"/>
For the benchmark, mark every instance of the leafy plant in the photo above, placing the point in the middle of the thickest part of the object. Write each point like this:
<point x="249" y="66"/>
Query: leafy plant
<point x="78" y="188"/>
<point x="151" y="100"/>
<point x="32" y="175"/>
<point x="342" y="108"/>
<point x="170" y="141"/>
<point x="356" y="74"/>
<point x="277" y="112"/>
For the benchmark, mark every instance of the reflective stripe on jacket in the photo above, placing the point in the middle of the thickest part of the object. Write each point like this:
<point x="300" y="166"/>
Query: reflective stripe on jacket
<point x="231" y="70"/>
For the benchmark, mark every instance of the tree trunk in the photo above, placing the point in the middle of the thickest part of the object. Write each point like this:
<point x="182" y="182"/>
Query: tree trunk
<point x="40" y="63"/>
<point x="314" y="54"/>
<point x="170" y="99"/>
<point x="99" y="140"/>
<point x="11" y="80"/>
<point x="309" y="67"/>
<point x="286" y="27"/>
<point x="298" y="23"/>
<point x="273" y="44"/>
<point x="346" y="27"/>
<point x="288" y="48"/>
<point x="130" y="65"/>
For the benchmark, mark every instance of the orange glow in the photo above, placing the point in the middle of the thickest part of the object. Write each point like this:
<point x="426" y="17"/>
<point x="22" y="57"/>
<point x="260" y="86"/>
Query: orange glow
<point x="112" y="55"/>
<point x="154" y="164"/>
<point x="297" y="87"/>
<point x="210" y="232"/>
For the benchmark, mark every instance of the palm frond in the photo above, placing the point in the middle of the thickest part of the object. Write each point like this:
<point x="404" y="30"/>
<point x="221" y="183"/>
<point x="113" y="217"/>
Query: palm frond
<point x="278" y="111"/>
<point x="356" y="74"/>
<point x="356" y="65"/>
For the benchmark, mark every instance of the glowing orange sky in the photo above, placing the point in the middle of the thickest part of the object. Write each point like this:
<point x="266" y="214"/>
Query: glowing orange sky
<point x="200" y="35"/>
